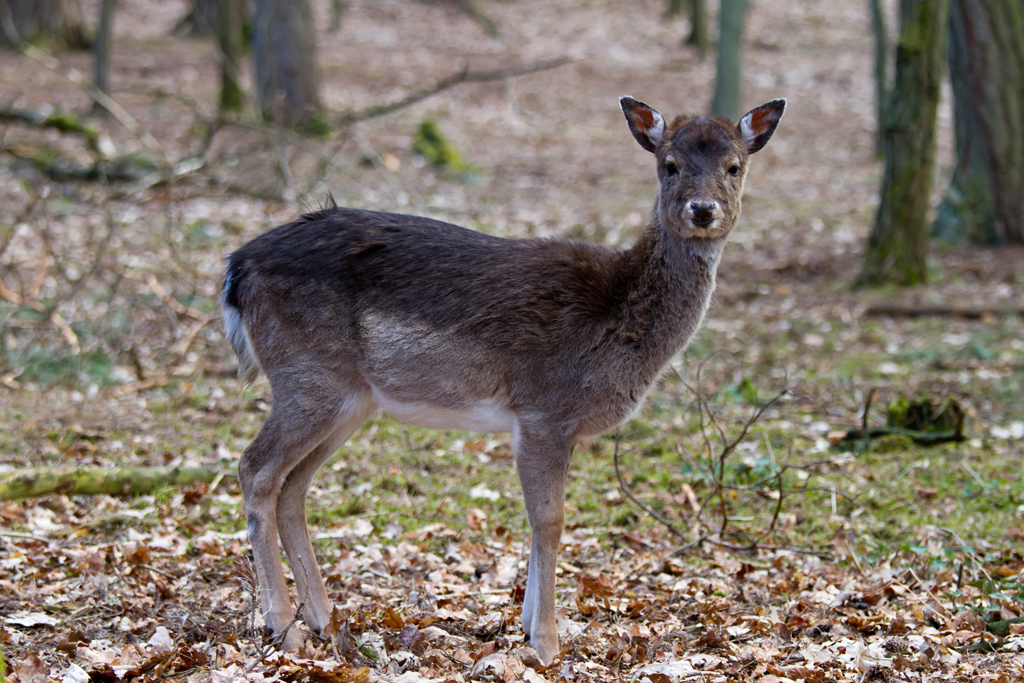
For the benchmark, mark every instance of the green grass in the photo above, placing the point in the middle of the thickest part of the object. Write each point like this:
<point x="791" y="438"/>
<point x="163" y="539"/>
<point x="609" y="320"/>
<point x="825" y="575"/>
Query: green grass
<point x="390" y="474"/>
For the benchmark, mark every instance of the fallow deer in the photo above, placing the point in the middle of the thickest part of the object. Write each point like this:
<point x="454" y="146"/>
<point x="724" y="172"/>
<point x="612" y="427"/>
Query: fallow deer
<point x="349" y="311"/>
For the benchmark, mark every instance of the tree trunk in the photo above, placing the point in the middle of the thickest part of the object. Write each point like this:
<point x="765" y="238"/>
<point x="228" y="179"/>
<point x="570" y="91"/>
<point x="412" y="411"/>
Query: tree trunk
<point x="984" y="203"/>
<point x="58" y="21"/>
<point x="898" y="245"/>
<point x="881" y="68"/>
<point x="284" y="48"/>
<point x="729" y="76"/>
<point x="203" y="18"/>
<point x="699" y="32"/>
<point x="101" y="51"/>
<point x="229" y="42"/>
<point x="674" y="8"/>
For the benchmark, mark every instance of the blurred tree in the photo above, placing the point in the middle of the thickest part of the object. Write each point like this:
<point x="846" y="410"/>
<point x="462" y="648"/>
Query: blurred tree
<point x="881" y="67"/>
<point x="337" y="9"/>
<point x="203" y="17"/>
<point x="101" y="51"/>
<point x="58" y="21"/>
<point x="984" y="203"/>
<point x="898" y="245"/>
<point x="699" y="35"/>
<point x="284" y="50"/>
<point x="699" y="32"/>
<point x="728" y="79"/>
<point x="229" y="42"/>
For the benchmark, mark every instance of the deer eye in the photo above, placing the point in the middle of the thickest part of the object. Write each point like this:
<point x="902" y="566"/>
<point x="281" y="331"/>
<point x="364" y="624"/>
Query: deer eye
<point x="671" y="169"/>
<point x="734" y="170"/>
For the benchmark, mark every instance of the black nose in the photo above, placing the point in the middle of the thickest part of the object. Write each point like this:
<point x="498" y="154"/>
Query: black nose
<point x="703" y="212"/>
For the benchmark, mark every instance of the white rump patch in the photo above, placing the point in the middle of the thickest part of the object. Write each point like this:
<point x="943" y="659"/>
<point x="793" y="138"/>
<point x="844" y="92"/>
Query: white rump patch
<point x="233" y="326"/>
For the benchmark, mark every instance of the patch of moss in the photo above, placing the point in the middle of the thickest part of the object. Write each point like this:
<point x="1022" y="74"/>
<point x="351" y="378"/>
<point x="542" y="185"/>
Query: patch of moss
<point x="431" y="144"/>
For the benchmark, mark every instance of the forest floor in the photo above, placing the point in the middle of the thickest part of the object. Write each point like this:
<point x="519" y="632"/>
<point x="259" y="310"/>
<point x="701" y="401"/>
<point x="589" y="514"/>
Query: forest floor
<point x="841" y="560"/>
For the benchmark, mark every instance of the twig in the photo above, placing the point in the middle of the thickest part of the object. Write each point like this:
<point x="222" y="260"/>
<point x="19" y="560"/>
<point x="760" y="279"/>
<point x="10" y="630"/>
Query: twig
<point x="162" y="573"/>
<point x="135" y="387"/>
<point x="182" y="347"/>
<point x="464" y="76"/>
<point x="479" y="17"/>
<point x="29" y="207"/>
<point x="867" y="407"/>
<point x="625" y="489"/>
<point x="714" y="462"/>
<point x="175" y="305"/>
<point x="10" y="379"/>
<point x="69" y="335"/>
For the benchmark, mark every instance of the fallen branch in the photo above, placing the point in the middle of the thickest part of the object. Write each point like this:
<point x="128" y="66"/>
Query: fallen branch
<point x="61" y="121"/>
<point x="962" y="312"/>
<point x="464" y="76"/>
<point x="920" y="438"/>
<point x="917" y="421"/>
<point x="129" y="168"/>
<point x="117" y="481"/>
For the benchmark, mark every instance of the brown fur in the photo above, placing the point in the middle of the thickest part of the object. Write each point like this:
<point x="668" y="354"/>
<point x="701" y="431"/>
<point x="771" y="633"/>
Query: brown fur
<point x="348" y="310"/>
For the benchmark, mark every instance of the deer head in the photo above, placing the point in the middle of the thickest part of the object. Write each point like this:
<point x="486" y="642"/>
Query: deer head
<point x="702" y="163"/>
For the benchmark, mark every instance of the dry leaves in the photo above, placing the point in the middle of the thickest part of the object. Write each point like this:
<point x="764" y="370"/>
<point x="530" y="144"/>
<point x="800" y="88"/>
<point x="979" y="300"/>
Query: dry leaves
<point x="171" y="602"/>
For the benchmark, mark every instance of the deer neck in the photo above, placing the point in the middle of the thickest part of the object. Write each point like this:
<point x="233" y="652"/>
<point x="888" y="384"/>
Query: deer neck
<point x="668" y="281"/>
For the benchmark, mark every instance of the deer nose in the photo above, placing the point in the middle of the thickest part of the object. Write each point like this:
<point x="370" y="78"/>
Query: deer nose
<point x="702" y="213"/>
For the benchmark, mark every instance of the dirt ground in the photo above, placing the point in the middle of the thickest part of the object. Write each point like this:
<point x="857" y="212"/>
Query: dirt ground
<point x="113" y="356"/>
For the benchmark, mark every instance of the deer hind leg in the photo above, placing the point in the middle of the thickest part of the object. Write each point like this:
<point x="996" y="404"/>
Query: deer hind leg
<point x="291" y="515"/>
<point x="297" y="428"/>
<point x="542" y="467"/>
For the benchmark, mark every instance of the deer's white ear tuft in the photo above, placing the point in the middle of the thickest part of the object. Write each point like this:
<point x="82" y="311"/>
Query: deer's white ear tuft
<point x="758" y="125"/>
<point x="646" y="124"/>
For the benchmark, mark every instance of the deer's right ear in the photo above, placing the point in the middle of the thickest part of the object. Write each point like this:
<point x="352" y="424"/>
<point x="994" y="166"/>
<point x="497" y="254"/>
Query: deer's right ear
<point x="646" y="124"/>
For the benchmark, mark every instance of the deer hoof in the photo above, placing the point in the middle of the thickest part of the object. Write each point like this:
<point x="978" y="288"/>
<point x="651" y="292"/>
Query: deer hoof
<point x="547" y="648"/>
<point x="292" y="641"/>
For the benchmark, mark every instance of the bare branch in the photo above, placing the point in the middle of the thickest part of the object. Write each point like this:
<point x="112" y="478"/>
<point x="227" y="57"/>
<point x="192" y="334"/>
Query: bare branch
<point x="464" y="76"/>
<point x="625" y="489"/>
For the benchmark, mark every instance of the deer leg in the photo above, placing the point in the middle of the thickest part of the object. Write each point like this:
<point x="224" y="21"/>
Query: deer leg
<point x="288" y="436"/>
<point x="291" y="517"/>
<point x="542" y="473"/>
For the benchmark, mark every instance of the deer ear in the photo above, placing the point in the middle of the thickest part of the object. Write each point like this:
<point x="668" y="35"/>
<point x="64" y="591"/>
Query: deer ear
<point x="646" y="124"/>
<point x="758" y="125"/>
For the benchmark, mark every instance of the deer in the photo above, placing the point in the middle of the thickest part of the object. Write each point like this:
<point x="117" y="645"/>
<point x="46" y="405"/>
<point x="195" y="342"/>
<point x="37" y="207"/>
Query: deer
<point x="348" y="312"/>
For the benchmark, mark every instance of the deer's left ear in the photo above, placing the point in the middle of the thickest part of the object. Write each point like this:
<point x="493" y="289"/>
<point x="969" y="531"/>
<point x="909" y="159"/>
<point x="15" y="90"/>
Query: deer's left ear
<point x="758" y="125"/>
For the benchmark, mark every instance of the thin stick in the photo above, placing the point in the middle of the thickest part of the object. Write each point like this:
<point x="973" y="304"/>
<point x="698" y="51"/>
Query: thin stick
<point x="464" y="76"/>
<point x="625" y="489"/>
